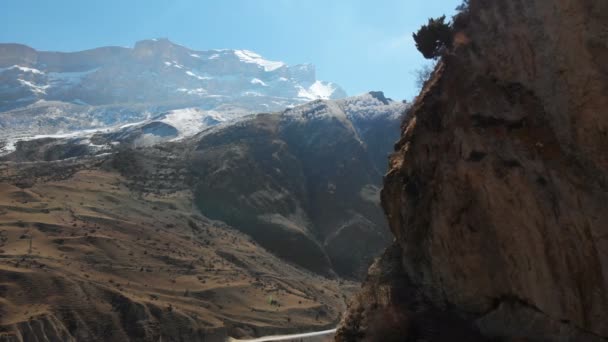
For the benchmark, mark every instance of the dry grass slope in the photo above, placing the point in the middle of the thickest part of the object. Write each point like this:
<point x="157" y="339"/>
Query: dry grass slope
<point x="86" y="258"/>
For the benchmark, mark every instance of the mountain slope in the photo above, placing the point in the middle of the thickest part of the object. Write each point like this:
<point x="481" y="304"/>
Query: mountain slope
<point x="85" y="257"/>
<point x="302" y="177"/>
<point x="303" y="183"/>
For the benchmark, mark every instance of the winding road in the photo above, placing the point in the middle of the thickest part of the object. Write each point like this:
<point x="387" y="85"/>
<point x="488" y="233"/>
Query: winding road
<point x="286" y="337"/>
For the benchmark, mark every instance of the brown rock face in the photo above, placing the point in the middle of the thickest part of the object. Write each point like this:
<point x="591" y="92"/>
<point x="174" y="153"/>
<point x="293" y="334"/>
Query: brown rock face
<point x="498" y="191"/>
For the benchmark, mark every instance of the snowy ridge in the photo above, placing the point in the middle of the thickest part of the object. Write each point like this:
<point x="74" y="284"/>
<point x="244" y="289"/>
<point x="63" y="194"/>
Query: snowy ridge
<point x="23" y="69"/>
<point x="178" y="124"/>
<point x="258" y="81"/>
<point x="365" y="106"/>
<point x="187" y="122"/>
<point x="369" y="106"/>
<point x="316" y="110"/>
<point x="159" y="71"/>
<point x="38" y="89"/>
<point x="190" y="121"/>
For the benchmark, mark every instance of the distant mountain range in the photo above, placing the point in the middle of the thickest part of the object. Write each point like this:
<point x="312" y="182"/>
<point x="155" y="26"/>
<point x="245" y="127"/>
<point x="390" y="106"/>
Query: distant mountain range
<point x="304" y="182"/>
<point x="311" y="165"/>
<point x="45" y="92"/>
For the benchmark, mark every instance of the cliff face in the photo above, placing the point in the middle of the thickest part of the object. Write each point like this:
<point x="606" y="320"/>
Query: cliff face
<point x="497" y="193"/>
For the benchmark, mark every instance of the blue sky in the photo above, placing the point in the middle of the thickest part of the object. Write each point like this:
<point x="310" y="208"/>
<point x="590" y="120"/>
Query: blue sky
<point x="360" y="44"/>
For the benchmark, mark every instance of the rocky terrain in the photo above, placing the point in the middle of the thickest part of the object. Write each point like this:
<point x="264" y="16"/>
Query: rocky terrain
<point x="497" y="193"/>
<point x="46" y="92"/>
<point x="250" y="227"/>
<point x="85" y="256"/>
<point x="304" y="183"/>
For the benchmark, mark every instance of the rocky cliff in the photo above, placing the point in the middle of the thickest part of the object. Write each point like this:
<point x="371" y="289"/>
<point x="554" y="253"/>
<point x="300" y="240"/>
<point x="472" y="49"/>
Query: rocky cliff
<point x="497" y="193"/>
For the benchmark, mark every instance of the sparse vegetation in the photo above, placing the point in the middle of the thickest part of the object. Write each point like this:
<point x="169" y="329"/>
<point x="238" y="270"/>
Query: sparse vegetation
<point x="461" y="18"/>
<point x="464" y="7"/>
<point x="135" y="260"/>
<point x="434" y="38"/>
<point x="424" y="74"/>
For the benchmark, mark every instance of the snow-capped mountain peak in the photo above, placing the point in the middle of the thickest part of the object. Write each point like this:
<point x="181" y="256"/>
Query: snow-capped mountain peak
<point x="155" y="71"/>
<point x="110" y="86"/>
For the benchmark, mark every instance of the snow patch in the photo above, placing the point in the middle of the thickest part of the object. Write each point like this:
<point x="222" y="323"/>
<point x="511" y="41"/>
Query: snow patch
<point x="174" y="64"/>
<point x="317" y="91"/>
<point x="10" y="144"/>
<point x="25" y="69"/>
<point x="190" y="121"/>
<point x="194" y="55"/>
<point x="366" y="106"/>
<point x="38" y="89"/>
<point x="196" y="91"/>
<point x="258" y="81"/>
<point x="202" y="78"/>
<point x="132" y="124"/>
<point x="251" y="57"/>
<point x="317" y="110"/>
<point x="7" y="147"/>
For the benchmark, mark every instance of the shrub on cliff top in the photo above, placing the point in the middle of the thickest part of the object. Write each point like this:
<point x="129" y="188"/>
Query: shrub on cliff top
<point x="423" y="74"/>
<point x="433" y="38"/>
<point x="460" y="20"/>
<point x="464" y="7"/>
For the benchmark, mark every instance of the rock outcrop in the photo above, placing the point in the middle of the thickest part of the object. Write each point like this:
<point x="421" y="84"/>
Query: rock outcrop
<point x="497" y="193"/>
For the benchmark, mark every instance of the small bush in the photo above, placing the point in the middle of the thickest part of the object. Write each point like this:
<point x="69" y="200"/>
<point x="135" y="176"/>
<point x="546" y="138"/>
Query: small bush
<point x="464" y="7"/>
<point x="460" y="20"/>
<point x="433" y="38"/>
<point x="423" y="74"/>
